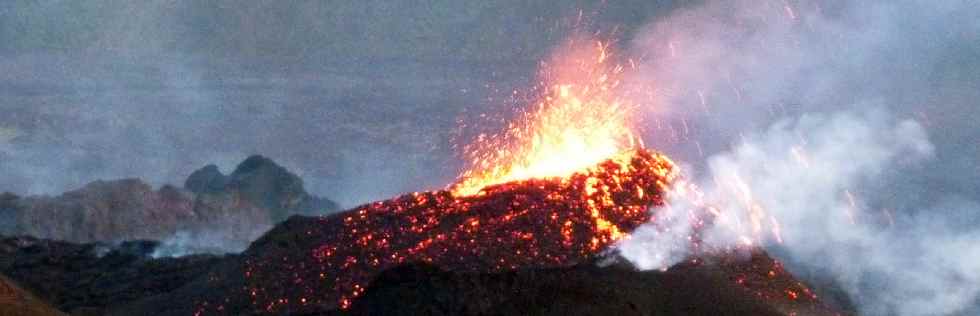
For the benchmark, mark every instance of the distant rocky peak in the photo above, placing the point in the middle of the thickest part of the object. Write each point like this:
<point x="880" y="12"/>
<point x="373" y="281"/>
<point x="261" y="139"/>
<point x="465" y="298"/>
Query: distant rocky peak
<point x="255" y="162"/>
<point x="260" y="170"/>
<point x="262" y="183"/>
<point x="230" y="209"/>
<point x="207" y="179"/>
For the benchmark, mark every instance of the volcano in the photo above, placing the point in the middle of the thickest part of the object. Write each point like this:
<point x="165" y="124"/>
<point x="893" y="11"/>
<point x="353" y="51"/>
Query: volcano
<point x="536" y="223"/>
<point x="522" y="231"/>
<point x="524" y="247"/>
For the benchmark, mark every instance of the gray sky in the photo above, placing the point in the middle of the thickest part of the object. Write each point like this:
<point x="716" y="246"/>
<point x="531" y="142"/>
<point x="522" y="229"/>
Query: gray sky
<point x="360" y="98"/>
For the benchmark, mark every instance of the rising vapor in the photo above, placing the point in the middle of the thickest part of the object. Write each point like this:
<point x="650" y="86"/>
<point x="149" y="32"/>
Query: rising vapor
<point x="837" y="117"/>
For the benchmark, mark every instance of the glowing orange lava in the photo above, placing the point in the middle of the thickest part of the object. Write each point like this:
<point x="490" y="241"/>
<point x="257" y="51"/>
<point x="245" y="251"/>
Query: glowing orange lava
<point x="562" y="183"/>
<point x="556" y="188"/>
<point x="535" y="223"/>
<point x="577" y="123"/>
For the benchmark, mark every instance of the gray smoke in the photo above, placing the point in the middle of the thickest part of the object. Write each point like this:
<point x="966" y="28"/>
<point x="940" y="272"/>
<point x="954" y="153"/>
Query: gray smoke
<point x="852" y="123"/>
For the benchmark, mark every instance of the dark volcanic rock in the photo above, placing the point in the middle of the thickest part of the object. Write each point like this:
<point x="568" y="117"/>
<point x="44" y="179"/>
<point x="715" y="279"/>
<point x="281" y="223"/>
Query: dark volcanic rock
<point x="15" y="301"/>
<point x="579" y="290"/>
<point x="723" y="285"/>
<point x="90" y="277"/>
<point x="750" y="283"/>
<point x="123" y="281"/>
<point x="102" y="279"/>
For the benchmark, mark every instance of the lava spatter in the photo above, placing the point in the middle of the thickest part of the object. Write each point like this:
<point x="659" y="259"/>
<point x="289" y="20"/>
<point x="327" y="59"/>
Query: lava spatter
<point x="560" y="184"/>
<point x="531" y="223"/>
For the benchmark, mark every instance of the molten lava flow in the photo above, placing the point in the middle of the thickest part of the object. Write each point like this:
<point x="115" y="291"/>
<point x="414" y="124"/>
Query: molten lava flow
<point x="530" y="223"/>
<point x="578" y="122"/>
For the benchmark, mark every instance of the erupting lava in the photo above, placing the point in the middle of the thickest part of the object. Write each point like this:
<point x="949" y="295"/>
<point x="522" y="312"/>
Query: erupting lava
<point x="579" y="122"/>
<point x="561" y="184"/>
<point x="529" y="223"/>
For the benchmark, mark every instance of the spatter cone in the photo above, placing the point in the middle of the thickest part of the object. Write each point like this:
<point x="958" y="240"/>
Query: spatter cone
<point x="538" y="223"/>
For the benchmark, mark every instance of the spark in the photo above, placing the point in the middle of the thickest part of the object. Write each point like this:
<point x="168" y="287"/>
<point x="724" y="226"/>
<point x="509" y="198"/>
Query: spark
<point x="789" y="10"/>
<point x="852" y="206"/>
<point x="800" y="156"/>
<point x="704" y="103"/>
<point x="559" y="185"/>
<point x="888" y="216"/>
<point x="578" y="122"/>
<point x="535" y="222"/>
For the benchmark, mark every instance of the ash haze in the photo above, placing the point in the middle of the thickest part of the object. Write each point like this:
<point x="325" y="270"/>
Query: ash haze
<point x="853" y="122"/>
<point x="361" y="99"/>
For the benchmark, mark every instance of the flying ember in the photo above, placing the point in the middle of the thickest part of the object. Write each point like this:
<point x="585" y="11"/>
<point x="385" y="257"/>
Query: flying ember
<point x="535" y="223"/>
<point x="561" y="184"/>
<point x="578" y="122"/>
<point x="556" y="188"/>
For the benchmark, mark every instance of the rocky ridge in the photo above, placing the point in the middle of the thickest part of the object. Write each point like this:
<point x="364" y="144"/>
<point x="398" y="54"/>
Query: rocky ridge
<point x="230" y="211"/>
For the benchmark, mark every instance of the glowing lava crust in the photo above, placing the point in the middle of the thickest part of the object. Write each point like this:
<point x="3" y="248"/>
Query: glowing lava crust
<point x="531" y="223"/>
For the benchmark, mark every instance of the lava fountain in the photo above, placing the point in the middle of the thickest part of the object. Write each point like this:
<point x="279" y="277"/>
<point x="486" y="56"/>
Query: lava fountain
<point x="579" y="122"/>
<point x="558" y="186"/>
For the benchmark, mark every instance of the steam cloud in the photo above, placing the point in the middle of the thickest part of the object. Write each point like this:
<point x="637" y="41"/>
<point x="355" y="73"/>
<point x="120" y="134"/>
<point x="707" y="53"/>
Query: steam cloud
<point x="853" y="124"/>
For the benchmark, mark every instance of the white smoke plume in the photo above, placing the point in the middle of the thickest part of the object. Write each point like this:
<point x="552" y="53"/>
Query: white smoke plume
<point x="184" y="243"/>
<point x="852" y="124"/>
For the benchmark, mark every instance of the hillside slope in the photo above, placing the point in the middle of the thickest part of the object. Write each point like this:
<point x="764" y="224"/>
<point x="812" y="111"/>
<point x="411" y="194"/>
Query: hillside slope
<point x="15" y="301"/>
